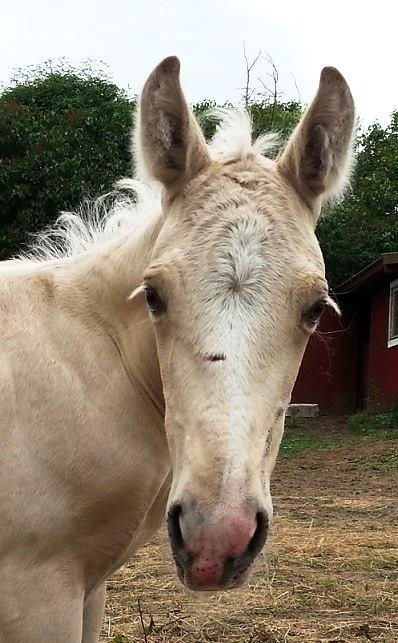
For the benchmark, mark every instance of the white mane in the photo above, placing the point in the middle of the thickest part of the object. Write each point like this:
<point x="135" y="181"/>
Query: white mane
<point x="111" y="215"/>
<point x="97" y="222"/>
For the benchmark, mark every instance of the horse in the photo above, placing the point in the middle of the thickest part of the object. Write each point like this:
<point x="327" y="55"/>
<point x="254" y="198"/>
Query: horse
<point x="148" y="354"/>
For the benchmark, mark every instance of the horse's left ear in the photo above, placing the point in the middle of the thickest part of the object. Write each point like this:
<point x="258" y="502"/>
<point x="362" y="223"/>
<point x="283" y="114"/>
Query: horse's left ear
<point x="170" y="146"/>
<point x="318" y="157"/>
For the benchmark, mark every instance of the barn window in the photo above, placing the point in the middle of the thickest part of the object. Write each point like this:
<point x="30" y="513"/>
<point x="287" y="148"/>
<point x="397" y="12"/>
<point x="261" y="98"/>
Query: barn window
<point x="393" y="316"/>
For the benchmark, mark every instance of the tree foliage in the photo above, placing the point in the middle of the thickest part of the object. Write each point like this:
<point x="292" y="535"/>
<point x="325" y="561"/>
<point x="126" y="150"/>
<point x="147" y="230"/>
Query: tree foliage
<point x="63" y="138"/>
<point x="355" y="231"/>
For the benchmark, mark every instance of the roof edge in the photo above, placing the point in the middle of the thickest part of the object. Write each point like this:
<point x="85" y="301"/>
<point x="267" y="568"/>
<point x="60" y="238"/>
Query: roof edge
<point x="387" y="262"/>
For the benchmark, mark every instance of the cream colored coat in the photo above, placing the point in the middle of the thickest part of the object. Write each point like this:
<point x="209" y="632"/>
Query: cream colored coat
<point x="102" y="407"/>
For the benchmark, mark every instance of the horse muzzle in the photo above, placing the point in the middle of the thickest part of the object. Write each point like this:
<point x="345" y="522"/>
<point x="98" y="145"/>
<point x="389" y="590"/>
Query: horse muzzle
<point x="215" y="552"/>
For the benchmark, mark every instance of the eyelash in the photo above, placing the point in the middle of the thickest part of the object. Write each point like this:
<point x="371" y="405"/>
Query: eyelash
<point x="314" y="314"/>
<point x="154" y="302"/>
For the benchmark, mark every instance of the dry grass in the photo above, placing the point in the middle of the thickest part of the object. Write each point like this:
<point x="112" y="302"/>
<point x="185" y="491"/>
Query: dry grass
<point x="330" y="574"/>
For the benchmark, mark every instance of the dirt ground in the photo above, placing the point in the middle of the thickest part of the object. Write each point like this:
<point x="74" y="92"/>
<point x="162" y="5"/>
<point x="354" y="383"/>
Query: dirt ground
<point x="330" y="570"/>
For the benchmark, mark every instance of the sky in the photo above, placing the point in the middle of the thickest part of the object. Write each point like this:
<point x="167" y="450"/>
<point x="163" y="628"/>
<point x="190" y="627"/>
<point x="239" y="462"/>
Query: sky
<point x="132" y="36"/>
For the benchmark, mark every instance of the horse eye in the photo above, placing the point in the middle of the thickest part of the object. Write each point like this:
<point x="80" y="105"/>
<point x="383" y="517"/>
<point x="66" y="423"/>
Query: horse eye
<point x="314" y="314"/>
<point x="154" y="302"/>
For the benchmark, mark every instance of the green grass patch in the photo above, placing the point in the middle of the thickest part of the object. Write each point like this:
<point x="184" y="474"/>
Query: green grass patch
<point x="298" y="438"/>
<point x="361" y="427"/>
<point x="375" y="425"/>
<point x="381" y="462"/>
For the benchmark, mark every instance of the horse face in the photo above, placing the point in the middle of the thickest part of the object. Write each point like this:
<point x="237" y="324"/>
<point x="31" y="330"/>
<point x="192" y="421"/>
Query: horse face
<point x="235" y="288"/>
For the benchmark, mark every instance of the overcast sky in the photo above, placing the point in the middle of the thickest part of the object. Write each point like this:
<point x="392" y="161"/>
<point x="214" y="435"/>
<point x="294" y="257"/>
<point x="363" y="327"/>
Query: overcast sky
<point x="132" y="36"/>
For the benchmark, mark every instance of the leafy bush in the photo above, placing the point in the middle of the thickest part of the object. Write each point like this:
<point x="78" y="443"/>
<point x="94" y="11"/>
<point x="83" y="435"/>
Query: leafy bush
<point x="63" y="138"/>
<point x="359" y="228"/>
<point x="369" y="424"/>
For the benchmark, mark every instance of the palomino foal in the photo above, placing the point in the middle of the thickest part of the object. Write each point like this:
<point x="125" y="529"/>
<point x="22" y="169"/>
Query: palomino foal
<point x="145" y="367"/>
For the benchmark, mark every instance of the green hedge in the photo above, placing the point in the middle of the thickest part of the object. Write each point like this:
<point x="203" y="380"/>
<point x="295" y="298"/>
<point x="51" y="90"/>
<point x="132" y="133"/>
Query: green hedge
<point x="63" y="138"/>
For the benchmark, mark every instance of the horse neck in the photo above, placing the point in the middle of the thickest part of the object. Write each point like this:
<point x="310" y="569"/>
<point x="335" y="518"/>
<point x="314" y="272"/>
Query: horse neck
<point x="103" y="280"/>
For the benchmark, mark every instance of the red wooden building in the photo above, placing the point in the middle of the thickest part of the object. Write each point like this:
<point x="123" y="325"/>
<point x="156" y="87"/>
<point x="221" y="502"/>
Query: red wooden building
<point x="352" y="363"/>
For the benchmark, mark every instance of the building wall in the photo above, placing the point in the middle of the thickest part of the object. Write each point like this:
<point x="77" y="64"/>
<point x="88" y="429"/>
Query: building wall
<point x="383" y="361"/>
<point x="328" y="373"/>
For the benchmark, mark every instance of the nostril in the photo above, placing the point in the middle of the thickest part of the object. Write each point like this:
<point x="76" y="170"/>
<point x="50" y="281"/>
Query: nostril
<point x="260" y="535"/>
<point x="240" y="564"/>
<point x="174" y="527"/>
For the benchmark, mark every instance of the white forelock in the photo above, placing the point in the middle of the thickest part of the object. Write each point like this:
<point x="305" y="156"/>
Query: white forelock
<point x="234" y="136"/>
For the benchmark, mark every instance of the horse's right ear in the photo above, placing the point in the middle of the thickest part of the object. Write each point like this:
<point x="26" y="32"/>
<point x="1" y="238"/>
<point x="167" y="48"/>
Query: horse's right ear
<point x="170" y="146"/>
